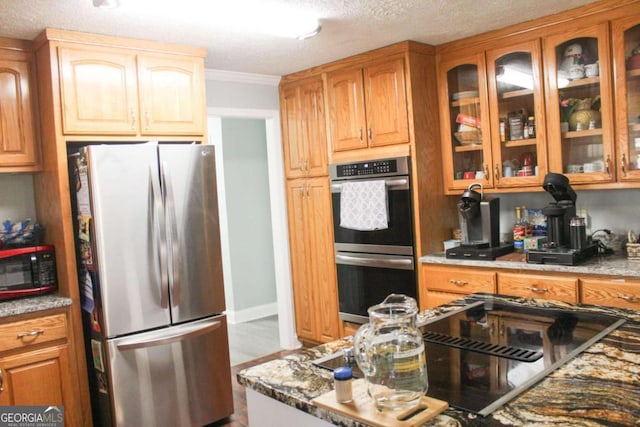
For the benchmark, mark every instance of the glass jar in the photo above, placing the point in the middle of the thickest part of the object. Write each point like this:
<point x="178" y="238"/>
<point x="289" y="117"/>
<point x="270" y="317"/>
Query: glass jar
<point x="390" y="352"/>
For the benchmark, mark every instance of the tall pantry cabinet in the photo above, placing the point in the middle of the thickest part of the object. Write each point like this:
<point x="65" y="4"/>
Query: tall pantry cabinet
<point x="309" y="206"/>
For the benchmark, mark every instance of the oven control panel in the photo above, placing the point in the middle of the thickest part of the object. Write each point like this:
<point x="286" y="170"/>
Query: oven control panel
<point x="374" y="167"/>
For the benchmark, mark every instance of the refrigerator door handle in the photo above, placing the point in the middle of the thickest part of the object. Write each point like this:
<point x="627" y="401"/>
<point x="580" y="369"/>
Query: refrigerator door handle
<point x="170" y="209"/>
<point x="158" y="235"/>
<point x="164" y="336"/>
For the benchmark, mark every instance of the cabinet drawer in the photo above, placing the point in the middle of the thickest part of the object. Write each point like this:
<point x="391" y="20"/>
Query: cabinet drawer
<point x="29" y="332"/>
<point x="614" y="293"/>
<point x="538" y="286"/>
<point x="458" y="280"/>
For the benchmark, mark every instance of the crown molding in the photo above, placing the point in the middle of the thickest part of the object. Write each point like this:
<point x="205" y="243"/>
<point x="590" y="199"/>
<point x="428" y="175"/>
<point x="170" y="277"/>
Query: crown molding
<point x="237" y="77"/>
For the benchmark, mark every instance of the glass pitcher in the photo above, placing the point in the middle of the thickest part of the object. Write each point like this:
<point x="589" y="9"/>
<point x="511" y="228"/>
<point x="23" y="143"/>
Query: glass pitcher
<point x="390" y="352"/>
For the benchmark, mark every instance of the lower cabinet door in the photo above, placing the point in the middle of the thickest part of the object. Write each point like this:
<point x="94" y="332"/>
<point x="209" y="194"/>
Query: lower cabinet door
<point x="35" y="378"/>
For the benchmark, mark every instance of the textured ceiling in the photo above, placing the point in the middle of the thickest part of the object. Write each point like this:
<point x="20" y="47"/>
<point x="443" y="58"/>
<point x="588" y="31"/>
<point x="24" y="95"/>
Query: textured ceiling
<point x="348" y="27"/>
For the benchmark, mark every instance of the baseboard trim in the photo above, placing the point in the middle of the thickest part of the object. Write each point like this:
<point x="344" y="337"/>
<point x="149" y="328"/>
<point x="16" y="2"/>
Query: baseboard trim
<point x="252" y="313"/>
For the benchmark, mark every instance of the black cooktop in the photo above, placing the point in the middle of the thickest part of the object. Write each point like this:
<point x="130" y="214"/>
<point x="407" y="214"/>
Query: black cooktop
<point x="489" y="351"/>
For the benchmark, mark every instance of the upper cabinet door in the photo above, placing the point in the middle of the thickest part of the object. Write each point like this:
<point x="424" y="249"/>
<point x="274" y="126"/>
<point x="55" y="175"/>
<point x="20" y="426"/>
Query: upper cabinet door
<point x="18" y="137"/>
<point x="626" y="60"/>
<point x="579" y="104"/>
<point x="314" y="128"/>
<point x="99" y="91"/>
<point x="172" y="95"/>
<point x="464" y="122"/>
<point x="304" y="129"/>
<point x="517" y="112"/>
<point x="346" y="110"/>
<point x="386" y="103"/>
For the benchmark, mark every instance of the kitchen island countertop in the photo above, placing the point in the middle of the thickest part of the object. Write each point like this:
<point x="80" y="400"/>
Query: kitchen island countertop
<point x="601" y="386"/>
<point x="605" y="265"/>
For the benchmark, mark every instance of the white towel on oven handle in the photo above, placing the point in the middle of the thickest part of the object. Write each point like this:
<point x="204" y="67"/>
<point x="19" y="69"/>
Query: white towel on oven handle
<point x="364" y="205"/>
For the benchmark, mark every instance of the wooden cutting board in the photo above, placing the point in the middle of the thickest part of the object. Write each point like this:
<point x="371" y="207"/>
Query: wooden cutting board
<point x="363" y="409"/>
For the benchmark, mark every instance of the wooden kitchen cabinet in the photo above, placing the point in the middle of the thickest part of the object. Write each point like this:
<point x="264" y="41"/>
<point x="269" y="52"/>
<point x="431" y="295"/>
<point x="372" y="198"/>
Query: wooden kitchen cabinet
<point x="516" y="102"/>
<point x="442" y="284"/>
<point x="107" y="90"/>
<point x="621" y="293"/>
<point x="464" y="121"/>
<point x="312" y="259"/>
<point x="588" y="140"/>
<point x="19" y="139"/>
<point x="625" y="39"/>
<point x="368" y="106"/>
<point x="304" y="128"/>
<point x="34" y="365"/>
<point x="554" y="287"/>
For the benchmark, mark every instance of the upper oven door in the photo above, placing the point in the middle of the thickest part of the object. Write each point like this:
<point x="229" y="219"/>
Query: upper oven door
<point x="396" y="239"/>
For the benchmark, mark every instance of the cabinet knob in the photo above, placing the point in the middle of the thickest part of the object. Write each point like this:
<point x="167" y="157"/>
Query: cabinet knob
<point x="360" y="136"/>
<point x="486" y="172"/>
<point x="369" y="134"/>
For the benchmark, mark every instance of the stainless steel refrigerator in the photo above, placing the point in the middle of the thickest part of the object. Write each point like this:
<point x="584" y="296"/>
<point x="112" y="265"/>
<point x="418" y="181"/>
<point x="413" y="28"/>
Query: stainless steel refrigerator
<point x="151" y="283"/>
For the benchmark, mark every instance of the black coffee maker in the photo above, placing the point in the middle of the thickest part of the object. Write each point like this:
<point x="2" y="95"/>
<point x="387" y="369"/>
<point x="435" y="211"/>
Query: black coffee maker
<point x="567" y="243"/>
<point x="479" y="218"/>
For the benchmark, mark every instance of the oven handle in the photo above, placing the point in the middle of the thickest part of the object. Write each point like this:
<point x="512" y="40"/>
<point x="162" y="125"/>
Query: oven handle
<point x="381" y="262"/>
<point x="391" y="183"/>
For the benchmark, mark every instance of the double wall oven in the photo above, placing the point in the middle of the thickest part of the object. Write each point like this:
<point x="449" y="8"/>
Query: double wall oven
<point x="372" y="264"/>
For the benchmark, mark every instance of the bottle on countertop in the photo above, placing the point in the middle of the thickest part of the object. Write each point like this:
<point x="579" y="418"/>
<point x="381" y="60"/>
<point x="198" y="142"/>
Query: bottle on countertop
<point x="519" y="231"/>
<point x="342" y="378"/>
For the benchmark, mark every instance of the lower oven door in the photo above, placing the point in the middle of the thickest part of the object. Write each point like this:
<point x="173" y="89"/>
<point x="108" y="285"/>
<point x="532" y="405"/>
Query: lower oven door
<point x="367" y="279"/>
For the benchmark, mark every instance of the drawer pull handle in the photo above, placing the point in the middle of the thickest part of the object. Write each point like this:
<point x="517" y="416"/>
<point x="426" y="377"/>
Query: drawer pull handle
<point x="629" y="298"/>
<point x="537" y="290"/>
<point x="34" y="333"/>
<point x="458" y="282"/>
<point x="1" y="381"/>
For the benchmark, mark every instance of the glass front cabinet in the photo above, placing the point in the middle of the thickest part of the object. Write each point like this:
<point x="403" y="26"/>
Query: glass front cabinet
<point x="516" y="104"/>
<point x="579" y="104"/>
<point x="466" y="135"/>
<point x="626" y="56"/>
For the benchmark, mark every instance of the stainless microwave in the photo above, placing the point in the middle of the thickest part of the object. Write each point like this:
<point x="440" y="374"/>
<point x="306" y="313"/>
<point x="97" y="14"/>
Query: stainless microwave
<point x="27" y="271"/>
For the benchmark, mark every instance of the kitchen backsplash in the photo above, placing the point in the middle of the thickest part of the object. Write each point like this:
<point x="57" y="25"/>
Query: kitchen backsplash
<point x="16" y="197"/>
<point x="616" y="210"/>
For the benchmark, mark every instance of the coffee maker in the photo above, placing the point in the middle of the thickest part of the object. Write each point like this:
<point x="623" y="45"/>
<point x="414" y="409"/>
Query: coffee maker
<point x="479" y="218"/>
<point x="567" y="243"/>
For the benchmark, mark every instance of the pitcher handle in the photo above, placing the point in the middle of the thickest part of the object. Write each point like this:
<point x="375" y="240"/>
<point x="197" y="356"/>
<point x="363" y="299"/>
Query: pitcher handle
<point x="360" y="349"/>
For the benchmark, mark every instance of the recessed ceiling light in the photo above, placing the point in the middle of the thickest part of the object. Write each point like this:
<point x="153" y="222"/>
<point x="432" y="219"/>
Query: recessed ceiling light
<point x="106" y="4"/>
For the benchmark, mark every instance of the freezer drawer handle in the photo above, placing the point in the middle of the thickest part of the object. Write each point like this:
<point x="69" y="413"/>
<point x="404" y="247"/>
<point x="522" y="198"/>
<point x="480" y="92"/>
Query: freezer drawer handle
<point x="162" y="337"/>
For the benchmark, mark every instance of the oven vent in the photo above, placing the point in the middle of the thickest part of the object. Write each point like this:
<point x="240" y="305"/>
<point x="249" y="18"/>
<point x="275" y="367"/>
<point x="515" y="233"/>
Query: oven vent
<point x="514" y="353"/>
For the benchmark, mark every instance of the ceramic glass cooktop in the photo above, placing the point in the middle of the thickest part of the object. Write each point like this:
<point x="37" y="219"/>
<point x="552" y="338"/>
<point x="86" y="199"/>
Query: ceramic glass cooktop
<point x="486" y="353"/>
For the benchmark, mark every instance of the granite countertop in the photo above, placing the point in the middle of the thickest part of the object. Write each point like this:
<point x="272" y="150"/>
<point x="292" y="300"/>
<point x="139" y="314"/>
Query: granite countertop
<point x="32" y="304"/>
<point x="606" y="265"/>
<point x="599" y="386"/>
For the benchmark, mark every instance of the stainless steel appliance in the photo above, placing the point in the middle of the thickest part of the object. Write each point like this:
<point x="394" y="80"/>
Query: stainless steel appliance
<point x="479" y="217"/>
<point x="565" y="244"/>
<point x="371" y="264"/>
<point x="489" y="351"/>
<point x="151" y="283"/>
<point x="27" y="271"/>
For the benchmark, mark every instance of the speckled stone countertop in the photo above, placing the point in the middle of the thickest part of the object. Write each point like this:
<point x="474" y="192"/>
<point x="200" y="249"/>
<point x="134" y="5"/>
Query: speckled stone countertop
<point x="32" y="304"/>
<point x="606" y="265"/>
<point x="601" y="386"/>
